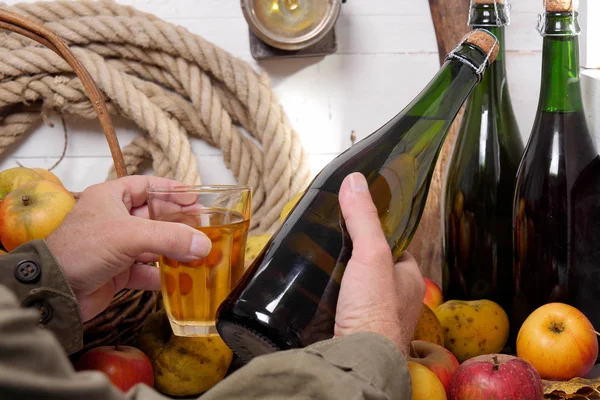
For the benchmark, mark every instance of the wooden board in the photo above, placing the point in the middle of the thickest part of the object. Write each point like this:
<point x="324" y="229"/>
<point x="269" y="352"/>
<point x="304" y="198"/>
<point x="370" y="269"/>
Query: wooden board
<point x="426" y="245"/>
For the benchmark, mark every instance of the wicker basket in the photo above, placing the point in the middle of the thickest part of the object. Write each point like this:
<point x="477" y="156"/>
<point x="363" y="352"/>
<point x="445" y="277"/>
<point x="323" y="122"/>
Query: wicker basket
<point x="121" y="321"/>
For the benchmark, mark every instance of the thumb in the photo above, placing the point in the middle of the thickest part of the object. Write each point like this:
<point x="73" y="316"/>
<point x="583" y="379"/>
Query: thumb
<point x="362" y="221"/>
<point x="171" y="239"/>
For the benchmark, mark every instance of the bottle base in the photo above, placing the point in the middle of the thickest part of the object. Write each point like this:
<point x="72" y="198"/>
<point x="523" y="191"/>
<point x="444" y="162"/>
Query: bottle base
<point x="192" y="329"/>
<point x="244" y="341"/>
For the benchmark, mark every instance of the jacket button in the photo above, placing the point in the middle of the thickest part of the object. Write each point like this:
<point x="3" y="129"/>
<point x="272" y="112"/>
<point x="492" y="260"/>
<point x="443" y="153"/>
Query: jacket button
<point x="45" y="311"/>
<point x="28" y="271"/>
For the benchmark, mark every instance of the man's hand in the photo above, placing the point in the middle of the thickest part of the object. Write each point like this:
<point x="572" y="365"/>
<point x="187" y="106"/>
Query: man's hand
<point x="108" y="231"/>
<point x="375" y="294"/>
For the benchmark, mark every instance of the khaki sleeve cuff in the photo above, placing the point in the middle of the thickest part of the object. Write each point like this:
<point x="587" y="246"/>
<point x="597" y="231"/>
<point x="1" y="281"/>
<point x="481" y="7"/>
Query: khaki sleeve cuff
<point x="371" y="357"/>
<point x="34" y="276"/>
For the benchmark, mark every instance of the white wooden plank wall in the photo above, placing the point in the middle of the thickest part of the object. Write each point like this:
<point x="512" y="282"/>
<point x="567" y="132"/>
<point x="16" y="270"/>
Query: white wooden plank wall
<point x="387" y="52"/>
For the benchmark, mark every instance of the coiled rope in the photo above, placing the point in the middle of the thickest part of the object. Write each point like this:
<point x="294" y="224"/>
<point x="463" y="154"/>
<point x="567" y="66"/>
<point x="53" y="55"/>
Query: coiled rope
<point x="173" y="84"/>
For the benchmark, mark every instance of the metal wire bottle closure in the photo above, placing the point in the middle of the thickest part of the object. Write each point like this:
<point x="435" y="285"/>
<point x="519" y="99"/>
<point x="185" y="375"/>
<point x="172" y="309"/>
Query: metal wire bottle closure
<point x="541" y="23"/>
<point x="479" y="71"/>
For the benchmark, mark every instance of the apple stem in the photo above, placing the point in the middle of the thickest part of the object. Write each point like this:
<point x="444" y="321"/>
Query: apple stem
<point x="26" y="200"/>
<point x="496" y="364"/>
<point x="557" y="327"/>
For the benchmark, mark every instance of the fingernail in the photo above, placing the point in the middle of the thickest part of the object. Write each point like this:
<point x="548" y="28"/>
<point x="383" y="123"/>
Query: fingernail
<point x="201" y="245"/>
<point x="358" y="183"/>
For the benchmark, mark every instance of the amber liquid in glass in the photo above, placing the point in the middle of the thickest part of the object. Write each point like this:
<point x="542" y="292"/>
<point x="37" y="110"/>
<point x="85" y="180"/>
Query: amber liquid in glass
<point x="193" y="291"/>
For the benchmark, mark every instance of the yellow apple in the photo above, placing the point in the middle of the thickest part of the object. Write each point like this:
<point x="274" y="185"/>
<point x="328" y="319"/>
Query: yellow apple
<point x="473" y="328"/>
<point x="254" y="245"/>
<point x="425" y="384"/>
<point x="429" y="328"/>
<point x="559" y="341"/>
<point x="288" y="206"/>
<point x="33" y="211"/>
<point x="48" y="175"/>
<point x="12" y="178"/>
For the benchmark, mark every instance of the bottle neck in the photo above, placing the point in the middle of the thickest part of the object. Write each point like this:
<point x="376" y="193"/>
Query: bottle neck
<point x="438" y="104"/>
<point x="560" y="86"/>
<point x="446" y="92"/>
<point x="495" y="76"/>
<point x="493" y="18"/>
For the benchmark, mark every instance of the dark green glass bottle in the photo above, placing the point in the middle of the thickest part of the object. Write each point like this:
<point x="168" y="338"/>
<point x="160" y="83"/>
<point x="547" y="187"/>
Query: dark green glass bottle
<point x="288" y="296"/>
<point x="556" y="184"/>
<point x="479" y="183"/>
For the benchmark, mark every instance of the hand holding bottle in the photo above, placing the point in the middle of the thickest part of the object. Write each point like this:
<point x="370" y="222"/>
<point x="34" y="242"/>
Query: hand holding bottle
<point x="375" y="295"/>
<point x="289" y="295"/>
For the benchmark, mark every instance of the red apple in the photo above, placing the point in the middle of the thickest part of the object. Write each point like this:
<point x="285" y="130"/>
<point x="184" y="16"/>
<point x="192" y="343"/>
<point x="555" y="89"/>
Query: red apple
<point x="559" y="341"/>
<point x="435" y="357"/>
<point x="125" y="366"/>
<point x="495" y="377"/>
<point x="433" y="294"/>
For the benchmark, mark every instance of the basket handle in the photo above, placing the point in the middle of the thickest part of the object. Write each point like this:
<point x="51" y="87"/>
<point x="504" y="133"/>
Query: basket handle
<point x="31" y="29"/>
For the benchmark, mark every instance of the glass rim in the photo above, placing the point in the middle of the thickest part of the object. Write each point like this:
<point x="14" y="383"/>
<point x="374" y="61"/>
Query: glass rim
<point x="222" y="188"/>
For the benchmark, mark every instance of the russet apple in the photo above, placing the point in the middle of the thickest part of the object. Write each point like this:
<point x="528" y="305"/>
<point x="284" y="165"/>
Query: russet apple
<point x="559" y="341"/>
<point x="429" y="328"/>
<point x="437" y="358"/>
<point x="496" y="377"/>
<point x="183" y="366"/>
<point x="433" y="294"/>
<point x="473" y="328"/>
<point x="254" y="245"/>
<point x="125" y="366"/>
<point x="425" y="384"/>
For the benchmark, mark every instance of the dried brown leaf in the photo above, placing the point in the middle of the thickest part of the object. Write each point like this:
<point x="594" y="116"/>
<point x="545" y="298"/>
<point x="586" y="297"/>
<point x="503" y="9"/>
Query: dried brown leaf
<point x="576" y="388"/>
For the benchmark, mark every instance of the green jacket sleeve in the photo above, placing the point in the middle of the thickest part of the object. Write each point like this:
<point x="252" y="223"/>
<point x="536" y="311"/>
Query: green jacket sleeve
<point x="33" y="364"/>
<point x="362" y="366"/>
<point x="31" y="272"/>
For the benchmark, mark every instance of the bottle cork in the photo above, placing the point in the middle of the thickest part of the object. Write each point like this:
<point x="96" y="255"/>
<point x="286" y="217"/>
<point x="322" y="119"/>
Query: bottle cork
<point x="561" y="5"/>
<point x="488" y="1"/>
<point x="484" y="41"/>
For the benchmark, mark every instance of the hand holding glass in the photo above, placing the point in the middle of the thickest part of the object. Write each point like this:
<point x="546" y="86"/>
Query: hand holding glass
<point x="193" y="291"/>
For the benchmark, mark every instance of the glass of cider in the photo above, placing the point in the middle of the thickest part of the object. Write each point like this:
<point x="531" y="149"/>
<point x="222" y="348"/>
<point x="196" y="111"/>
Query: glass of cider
<point x="192" y="291"/>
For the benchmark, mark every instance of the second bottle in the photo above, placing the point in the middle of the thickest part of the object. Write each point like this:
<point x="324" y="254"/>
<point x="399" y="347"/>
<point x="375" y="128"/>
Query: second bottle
<point x="479" y="182"/>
